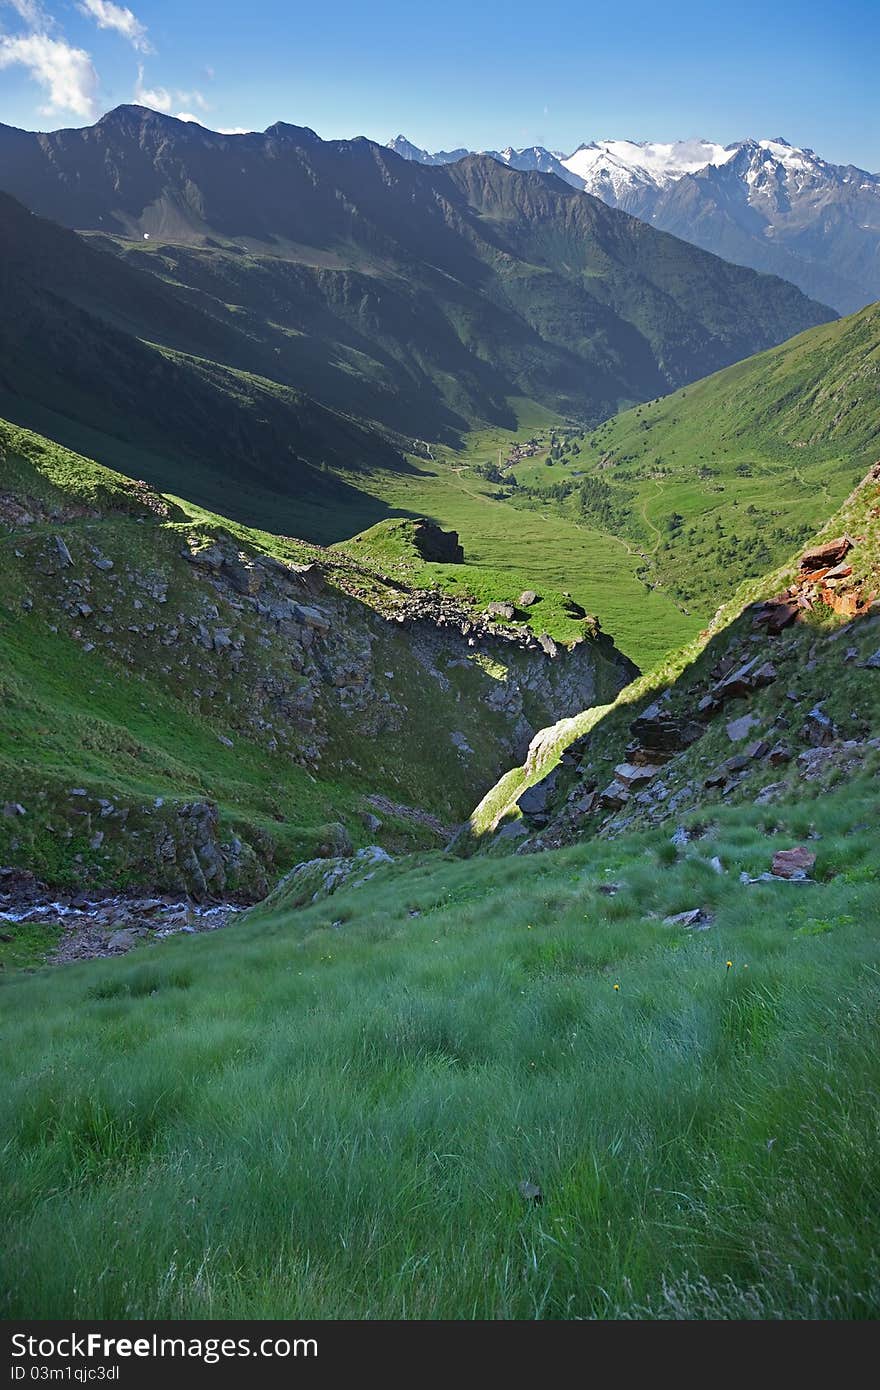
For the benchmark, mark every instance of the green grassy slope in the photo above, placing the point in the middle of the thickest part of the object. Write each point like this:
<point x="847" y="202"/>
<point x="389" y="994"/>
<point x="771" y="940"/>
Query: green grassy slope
<point x="328" y="1110"/>
<point x="136" y="680"/>
<point x="811" y="664"/>
<point x="720" y="481"/>
<point x="295" y="1119"/>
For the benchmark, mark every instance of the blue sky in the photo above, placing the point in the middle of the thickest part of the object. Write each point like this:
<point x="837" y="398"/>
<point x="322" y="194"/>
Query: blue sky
<point x="465" y="72"/>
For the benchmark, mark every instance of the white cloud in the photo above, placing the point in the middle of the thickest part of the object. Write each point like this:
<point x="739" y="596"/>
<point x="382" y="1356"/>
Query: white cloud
<point x="234" y="130"/>
<point x="66" y="72"/>
<point x="188" y="116"/>
<point x="157" y="98"/>
<point x="192" y="99"/>
<point x="109" y="16"/>
<point x="32" y="13"/>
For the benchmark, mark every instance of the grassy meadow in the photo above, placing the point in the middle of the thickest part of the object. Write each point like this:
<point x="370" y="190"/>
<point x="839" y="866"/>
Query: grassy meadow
<point x="328" y="1112"/>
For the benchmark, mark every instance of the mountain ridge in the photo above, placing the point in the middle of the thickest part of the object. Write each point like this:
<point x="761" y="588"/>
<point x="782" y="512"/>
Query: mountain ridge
<point x="763" y="203"/>
<point x="417" y="300"/>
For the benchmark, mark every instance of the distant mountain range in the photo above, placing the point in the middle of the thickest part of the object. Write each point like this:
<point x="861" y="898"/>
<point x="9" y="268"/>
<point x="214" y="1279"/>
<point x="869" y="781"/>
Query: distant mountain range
<point x="761" y="203"/>
<point x="342" y="284"/>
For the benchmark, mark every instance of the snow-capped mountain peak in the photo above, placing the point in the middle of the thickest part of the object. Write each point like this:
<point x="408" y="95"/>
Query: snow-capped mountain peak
<point x="624" y="172"/>
<point x="765" y="203"/>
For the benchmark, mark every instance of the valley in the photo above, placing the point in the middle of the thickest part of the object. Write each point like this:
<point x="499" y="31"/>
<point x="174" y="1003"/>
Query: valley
<point x="439" y="730"/>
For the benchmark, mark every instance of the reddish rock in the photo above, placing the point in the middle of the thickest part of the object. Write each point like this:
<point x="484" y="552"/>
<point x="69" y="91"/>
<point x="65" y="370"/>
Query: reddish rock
<point x="823" y="556"/>
<point x="847" y="604"/>
<point x="792" y="863"/>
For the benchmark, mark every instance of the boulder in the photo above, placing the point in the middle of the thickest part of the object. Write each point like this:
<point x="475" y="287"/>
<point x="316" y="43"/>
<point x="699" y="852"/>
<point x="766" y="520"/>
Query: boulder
<point x="123" y="940"/>
<point x="758" y="749"/>
<point x="64" y="555"/>
<point x="776" y="614"/>
<point x="769" y="793"/>
<point x="658" y="731"/>
<point x="210" y="557"/>
<point x="527" y="598"/>
<point x="746" y="679"/>
<point x="311" y="617"/>
<point x="244" y="579"/>
<point x="512" y="830"/>
<point x="694" y="917"/>
<point x="631" y="773"/>
<point x="792" y="863"/>
<point x="533" y="801"/>
<point x="822" y="557"/>
<point x="501" y="610"/>
<point x="818" y="730"/>
<point x="739" y="729"/>
<point x="614" y="796"/>
<point x="437" y="545"/>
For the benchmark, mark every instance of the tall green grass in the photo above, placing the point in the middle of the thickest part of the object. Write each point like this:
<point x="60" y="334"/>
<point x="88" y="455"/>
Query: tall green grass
<point x="328" y="1112"/>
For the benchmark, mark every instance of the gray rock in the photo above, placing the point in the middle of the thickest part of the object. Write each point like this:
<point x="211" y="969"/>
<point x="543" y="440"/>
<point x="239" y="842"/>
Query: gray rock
<point x="512" y="830"/>
<point x="504" y="611"/>
<point x="614" y="796"/>
<point x="740" y="728"/>
<point x="209" y="558"/>
<point x="659" y="732"/>
<point x="694" y="917"/>
<point x="533" y="801"/>
<point x="123" y="940"/>
<point x="63" y="553"/>
<point x="527" y="598"/>
<point x="632" y="773"/>
<point x="311" y="617"/>
<point x="779" y="753"/>
<point x="818" y="729"/>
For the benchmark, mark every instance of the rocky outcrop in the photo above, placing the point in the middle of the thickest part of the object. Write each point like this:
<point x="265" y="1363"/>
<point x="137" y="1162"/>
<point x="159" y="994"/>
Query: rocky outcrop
<point x="432" y="543"/>
<point x="824" y="579"/>
<point x="766" y="678"/>
<point x="307" y="659"/>
<point x="316" y="879"/>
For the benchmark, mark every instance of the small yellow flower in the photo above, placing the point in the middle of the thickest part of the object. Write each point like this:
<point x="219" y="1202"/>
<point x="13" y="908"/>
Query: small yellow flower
<point x="617" y="986"/>
<point x="730" y="965"/>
